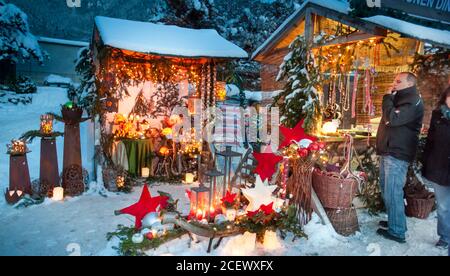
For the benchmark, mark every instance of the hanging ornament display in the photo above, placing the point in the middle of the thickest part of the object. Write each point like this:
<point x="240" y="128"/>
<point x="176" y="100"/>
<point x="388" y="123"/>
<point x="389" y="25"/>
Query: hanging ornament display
<point x="355" y="92"/>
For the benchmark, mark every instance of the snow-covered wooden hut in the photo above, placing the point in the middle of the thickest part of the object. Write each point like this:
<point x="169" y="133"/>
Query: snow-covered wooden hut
<point x="143" y="71"/>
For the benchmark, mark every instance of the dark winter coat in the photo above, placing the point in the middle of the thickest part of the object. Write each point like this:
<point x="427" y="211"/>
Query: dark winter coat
<point x="401" y="122"/>
<point x="436" y="158"/>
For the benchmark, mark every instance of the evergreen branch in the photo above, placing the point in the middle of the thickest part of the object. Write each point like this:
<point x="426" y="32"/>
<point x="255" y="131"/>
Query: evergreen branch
<point x="29" y="136"/>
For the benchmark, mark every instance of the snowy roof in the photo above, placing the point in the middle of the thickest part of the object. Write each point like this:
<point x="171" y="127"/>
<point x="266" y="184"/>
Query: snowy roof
<point x="420" y="32"/>
<point x="341" y="6"/>
<point x="166" y="40"/>
<point x="63" y="41"/>
<point x="427" y="34"/>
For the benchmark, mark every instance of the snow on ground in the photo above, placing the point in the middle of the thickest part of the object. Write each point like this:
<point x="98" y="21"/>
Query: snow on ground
<point x="79" y="225"/>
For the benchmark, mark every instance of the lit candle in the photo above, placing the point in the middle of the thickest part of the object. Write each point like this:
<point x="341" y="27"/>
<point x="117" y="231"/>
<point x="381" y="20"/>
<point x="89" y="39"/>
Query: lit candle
<point x="199" y="215"/>
<point x="212" y="212"/>
<point x="189" y="178"/>
<point x="58" y="193"/>
<point x="145" y="172"/>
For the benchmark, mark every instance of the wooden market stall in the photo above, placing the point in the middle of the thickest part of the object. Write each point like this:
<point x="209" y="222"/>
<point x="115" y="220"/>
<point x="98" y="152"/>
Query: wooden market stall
<point x="143" y="72"/>
<point x="376" y="48"/>
<point x="359" y="58"/>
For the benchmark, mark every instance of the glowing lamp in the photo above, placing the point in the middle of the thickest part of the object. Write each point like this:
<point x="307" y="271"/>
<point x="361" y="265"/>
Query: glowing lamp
<point x="46" y="127"/>
<point x="17" y="147"/>
<point x="189" y="178"/>
<point x="120" y="182"/>
<point x="199" y="201"/>
<point x="221" y="91"/>
<point x="58" y="194"/>
<point x="164" y="151"/>
<point x="145" y="172"/>
<point x="329" y="128"/>
<point x="166" y="132"/>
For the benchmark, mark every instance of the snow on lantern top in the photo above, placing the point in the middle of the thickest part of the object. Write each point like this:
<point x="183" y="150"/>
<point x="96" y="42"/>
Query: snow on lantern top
<point x="165" y="40"/>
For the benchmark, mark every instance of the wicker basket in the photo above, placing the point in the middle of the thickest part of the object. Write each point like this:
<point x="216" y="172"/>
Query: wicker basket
<point x="333" y="191"/>
<point x="344" y="221"/>
<point x="419" y="207"/>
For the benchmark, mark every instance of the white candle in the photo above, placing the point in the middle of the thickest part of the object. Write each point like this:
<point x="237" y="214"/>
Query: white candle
<point x="145" y="172"/>
<point x="189" y="178"/>
<point x="58" y="194"/>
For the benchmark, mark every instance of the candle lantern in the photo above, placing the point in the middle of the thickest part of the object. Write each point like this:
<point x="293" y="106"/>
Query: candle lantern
<point x="17" y="147"/>
<point x="200" y="207"/>
<point x="46" y="128"/>
<point x="228" y="156"/>
<point x="214" y="193"/>
<point x="120" y="182"/>
<point x="145" y="172"/>
<point x="58" y="194"/>
<point x="221" y="91"/>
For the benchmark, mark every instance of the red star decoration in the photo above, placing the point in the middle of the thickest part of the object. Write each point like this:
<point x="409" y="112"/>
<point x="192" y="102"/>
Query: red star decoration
<point x="229" y="198"/>
<point x="266" y="164"/>
<point x="294" y="134"/>
<point x="266" y="209"/>
<point x="146" y="204"/>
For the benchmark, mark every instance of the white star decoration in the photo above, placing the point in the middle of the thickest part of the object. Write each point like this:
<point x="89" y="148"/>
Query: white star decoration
<point x="260" y="195"/>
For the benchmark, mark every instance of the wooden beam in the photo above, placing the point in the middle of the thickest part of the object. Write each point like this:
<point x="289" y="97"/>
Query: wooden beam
<point x="309" y="27"/>
<point x="357" y="23"/>
<point x="281" y="33"/>
<point x="358" y="36"/>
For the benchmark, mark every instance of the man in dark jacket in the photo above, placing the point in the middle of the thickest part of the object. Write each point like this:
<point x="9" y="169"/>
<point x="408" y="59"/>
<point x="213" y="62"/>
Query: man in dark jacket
<point x="397" y="141"/>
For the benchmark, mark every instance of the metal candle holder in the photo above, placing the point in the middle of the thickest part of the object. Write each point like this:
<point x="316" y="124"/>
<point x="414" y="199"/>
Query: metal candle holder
<point x="212" y="175"/>
<point x="228" y="155"/>
<point x="199" y="202"/>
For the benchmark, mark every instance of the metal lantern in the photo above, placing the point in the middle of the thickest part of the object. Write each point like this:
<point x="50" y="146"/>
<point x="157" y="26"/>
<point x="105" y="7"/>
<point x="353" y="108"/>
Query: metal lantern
<point x="46" y="124"/>
<point x="200" y="203"/>
<point x="17" y="147"/>
<point x="228" y="156"/>
<point x="214" y="193"/>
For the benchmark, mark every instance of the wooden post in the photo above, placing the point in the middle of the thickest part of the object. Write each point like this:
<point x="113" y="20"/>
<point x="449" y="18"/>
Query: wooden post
<point x="72" y="182"/>
<point x="19" y="174"/>
<point x="48" y="173"/>
<point x="309" y="27"/>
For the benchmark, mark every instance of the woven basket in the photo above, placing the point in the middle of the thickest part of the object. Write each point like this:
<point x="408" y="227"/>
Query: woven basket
<point x="344" y="221"/>
<point x="333" y="191"/>
<point x="418" y="207"/>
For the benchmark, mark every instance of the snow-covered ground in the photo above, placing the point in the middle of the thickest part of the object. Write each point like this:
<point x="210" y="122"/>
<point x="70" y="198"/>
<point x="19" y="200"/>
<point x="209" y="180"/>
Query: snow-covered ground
<point x="79" y="225"/>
